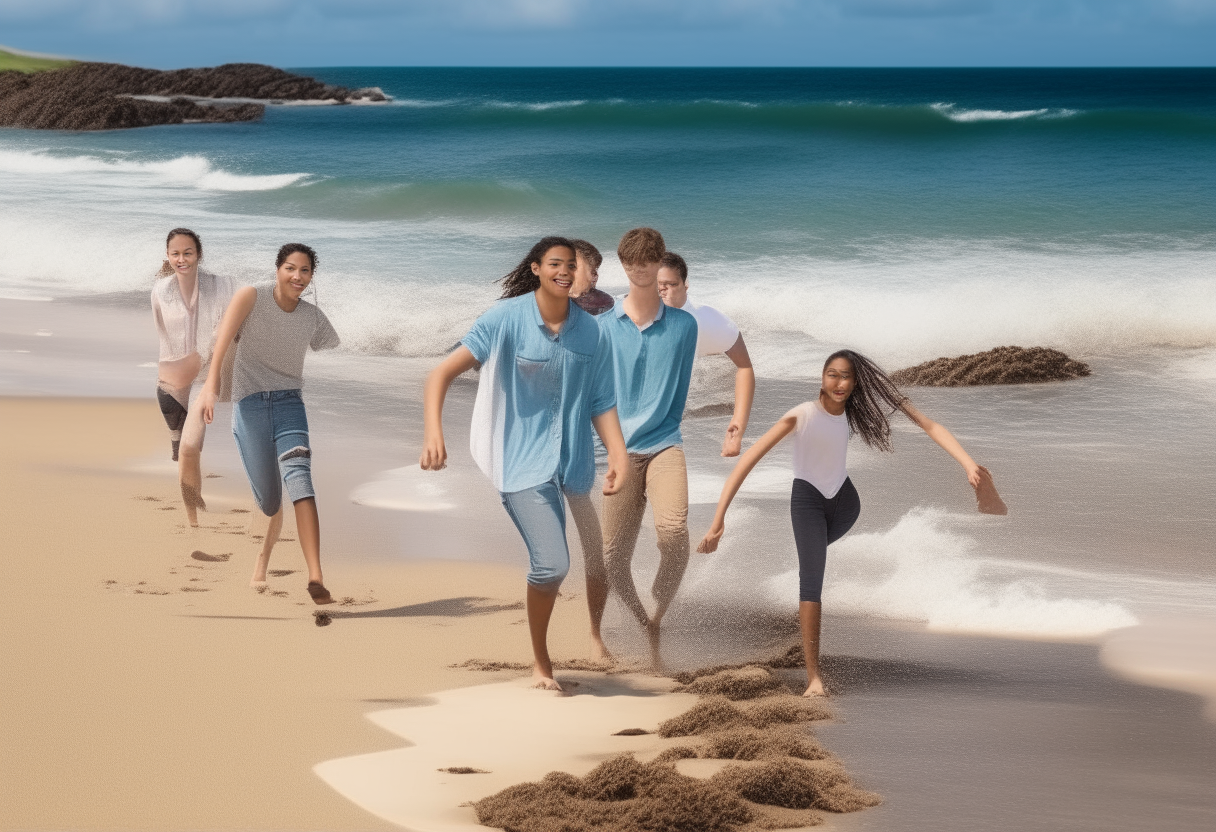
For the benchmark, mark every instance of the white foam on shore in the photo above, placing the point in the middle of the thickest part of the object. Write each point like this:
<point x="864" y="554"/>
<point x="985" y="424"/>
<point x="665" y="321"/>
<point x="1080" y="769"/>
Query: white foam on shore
<point x="410" y="489"/>
<point x="510" y="732"/>
<point x="182" y="171"/>
<point x="1175" y="652"/>
<point x="922" y="570"/>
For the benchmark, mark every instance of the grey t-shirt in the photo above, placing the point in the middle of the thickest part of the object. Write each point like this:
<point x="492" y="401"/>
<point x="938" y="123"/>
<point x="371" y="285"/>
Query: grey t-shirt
<point x="270" y="352"/>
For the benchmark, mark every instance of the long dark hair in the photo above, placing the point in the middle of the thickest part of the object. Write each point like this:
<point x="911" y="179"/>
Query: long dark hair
<point x="166" y="268"/>
<point x="520" y="280"/>
<point x="873" y="400"/>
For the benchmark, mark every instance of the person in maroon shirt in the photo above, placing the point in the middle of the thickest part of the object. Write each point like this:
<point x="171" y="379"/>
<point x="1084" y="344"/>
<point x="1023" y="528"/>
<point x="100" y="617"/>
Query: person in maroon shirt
<point x="583" y="292"/>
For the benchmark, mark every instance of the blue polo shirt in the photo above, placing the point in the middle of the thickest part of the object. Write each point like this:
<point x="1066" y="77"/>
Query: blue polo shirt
<point x="653" y="368"/>
<point x="537" y="395"/>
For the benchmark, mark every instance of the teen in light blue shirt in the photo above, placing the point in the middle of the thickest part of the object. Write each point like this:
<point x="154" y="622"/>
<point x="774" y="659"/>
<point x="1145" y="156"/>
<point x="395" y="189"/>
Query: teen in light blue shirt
<point x="653" y="348"/>
<point x="540" y="391"/>
<point x="546" y="378"/>
<point x="653" y="366"/>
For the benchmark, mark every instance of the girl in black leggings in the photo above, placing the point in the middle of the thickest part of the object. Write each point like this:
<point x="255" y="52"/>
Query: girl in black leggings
<point x="855" y="397"/>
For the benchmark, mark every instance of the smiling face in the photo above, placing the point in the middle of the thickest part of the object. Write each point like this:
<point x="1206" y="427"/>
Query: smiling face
<point x="585" y="278"/>
<point x="556" y="272"/>
<point x="672" y="289"/>
<point x="293" y="277"/>
<point x="837" y="385"/>
<point x="182" y="255"/>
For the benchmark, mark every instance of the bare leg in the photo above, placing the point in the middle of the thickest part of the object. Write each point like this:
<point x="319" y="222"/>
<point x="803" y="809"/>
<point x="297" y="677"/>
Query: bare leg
<point x="588" y="525"/>
<point x="189" y="466"/>
<point x="273" y="528"/>
<point x="540" y="609"/>
<point x="189" y="463"/>
<point x="308" y="524"/>
<point x="809" y="618"/>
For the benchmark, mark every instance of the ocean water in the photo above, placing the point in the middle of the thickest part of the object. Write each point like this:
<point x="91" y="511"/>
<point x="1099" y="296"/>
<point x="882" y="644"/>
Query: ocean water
<point x="908" y="214"/>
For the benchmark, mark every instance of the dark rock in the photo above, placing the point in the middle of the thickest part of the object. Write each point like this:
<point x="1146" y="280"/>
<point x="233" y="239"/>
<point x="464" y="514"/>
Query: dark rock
<point x="95" y="96"/>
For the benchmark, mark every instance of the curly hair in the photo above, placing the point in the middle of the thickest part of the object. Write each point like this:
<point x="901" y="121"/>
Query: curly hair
<point x="296" y="248"/>
<point x="521" y="280"/>
<point x="873" y="400"/>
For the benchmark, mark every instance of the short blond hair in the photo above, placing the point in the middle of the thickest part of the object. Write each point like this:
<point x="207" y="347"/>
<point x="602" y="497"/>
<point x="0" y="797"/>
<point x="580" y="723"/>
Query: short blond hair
<point x="641" y="245"/>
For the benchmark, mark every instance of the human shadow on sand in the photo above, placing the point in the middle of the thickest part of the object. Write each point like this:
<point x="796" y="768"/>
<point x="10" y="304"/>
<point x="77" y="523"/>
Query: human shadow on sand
<point x="461" y="607"/>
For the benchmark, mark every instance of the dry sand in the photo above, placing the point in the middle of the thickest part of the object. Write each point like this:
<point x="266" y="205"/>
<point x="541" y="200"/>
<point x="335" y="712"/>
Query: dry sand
<point x="148" y="689"/>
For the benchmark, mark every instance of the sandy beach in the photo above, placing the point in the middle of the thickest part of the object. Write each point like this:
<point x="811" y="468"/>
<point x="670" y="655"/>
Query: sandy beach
<point x="147" y="689"/>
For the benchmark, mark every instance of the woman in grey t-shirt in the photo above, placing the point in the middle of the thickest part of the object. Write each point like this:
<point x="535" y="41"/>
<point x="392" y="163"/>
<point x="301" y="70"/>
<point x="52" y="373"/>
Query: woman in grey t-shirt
<point x="273" y="330"/>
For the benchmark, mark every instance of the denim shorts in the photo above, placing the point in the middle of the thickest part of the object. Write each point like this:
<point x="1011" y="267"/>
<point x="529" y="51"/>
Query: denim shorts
<point x="540" y="515"/>
<point x="271" y="431"/>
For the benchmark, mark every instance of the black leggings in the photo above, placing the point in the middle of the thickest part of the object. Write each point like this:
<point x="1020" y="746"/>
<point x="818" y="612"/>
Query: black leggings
<point x="819" y="521"/>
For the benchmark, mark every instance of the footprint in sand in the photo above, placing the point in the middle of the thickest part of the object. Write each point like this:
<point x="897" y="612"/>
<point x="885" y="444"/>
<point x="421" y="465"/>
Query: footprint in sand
<point x="238" y="511"/>
<point x="463" y="770"/>
<point x="281" y="573"/>
<point x="214" y="477"/>
<point x="278" y="593"/>
<point x="194" y="589"/>
<point x="200" y="555"/>
<point x="149" y="499"/>
<point x="168" y="508"/>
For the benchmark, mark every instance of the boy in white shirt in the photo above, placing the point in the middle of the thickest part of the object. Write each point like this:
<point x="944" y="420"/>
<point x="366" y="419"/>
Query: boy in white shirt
<point x="716" y="334"/>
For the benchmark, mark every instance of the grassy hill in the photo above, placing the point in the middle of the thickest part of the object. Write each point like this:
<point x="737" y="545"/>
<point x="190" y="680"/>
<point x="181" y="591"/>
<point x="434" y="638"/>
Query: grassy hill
<point x="22" y="63"/>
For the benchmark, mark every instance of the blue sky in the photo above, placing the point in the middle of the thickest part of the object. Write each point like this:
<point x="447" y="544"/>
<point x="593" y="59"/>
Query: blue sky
<point x="174" y="33"/>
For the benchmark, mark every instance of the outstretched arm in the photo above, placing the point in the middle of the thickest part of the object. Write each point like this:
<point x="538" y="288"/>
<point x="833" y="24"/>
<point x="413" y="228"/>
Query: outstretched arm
<point x="946" y="440"/>
<point x="234" y="318"/>
<point x="745" y="392"/>
<point x="608" y="426"/>
<point x="784" y="427"/>
<point x="434" y="453"/>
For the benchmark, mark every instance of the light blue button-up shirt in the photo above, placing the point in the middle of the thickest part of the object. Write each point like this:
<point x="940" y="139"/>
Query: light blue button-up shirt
<point x="653" y="368"/>
<point x="537" y="395"/>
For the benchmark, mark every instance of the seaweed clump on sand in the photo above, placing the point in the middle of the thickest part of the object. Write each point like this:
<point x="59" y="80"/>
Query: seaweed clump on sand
<point x="1003" y="365"/>
<point x="772" y="787"/>
<point x="98" y="96"/>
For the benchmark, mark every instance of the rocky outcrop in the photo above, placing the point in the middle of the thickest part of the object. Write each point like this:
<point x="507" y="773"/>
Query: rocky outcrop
<point x="94" y="96"/>
<point x="1003" y="365"/>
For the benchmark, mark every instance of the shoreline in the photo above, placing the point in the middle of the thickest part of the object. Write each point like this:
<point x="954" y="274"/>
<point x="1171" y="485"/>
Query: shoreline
<point x="198" y="694"/>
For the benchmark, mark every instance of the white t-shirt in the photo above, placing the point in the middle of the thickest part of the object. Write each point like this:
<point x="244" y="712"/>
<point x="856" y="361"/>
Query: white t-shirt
<point x="821" y="441"/>
<point x="716" y="333"/>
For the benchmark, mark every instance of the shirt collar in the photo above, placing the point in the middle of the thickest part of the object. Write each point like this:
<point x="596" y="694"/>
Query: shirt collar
<point x="618" y="309"/>
<point x="540" y="322"/>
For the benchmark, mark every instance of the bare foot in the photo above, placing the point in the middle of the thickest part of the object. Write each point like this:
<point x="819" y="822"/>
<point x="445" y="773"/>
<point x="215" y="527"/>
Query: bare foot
<point x="540" y="682"/>
<point x="599" y="651"/>
<point x="815" y="688"/>
<point x="193" y="500"/>
<point x="318" y="592"/>
<point x="260" y="586"/>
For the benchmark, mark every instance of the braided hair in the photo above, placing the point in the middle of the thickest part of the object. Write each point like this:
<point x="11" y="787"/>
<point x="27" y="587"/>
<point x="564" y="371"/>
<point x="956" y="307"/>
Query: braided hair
<point x="521" y="280"/>
<point x="873" y="400"/>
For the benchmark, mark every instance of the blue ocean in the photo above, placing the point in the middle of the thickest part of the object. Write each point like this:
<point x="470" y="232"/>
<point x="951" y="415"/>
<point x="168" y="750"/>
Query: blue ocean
<point x="909" y="214"/>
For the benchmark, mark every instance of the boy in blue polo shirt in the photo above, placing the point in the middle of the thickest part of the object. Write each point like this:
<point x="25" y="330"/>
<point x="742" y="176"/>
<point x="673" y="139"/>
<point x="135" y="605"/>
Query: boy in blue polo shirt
<point x="546" y="378"/>
<point x="653" y="347"/>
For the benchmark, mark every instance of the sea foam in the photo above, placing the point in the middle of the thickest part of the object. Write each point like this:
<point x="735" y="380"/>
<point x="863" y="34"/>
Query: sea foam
<point x="924" y="570"/>
<point x="182" y="171"/>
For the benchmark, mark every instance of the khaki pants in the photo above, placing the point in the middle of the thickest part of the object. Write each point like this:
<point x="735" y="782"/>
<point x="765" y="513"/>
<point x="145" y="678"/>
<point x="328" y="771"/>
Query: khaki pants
<point x="662" y="479"/>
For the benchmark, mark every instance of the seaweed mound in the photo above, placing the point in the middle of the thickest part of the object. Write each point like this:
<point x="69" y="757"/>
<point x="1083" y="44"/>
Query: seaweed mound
<point x="1003" y="365"/>
<point x="771" y="787"/>
<point x="97" y="96"/>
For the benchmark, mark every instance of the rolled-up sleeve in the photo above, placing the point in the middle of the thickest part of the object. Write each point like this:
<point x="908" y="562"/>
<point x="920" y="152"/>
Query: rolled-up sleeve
<point x="603" y="391"/>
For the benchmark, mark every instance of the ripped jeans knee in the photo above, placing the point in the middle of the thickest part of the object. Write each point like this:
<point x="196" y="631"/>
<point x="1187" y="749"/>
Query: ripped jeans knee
<point x="271" y="431"/>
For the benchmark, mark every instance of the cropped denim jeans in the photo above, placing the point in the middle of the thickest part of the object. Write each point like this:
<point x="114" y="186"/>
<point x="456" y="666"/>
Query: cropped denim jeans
<point x="271" y="431"/>
<point x="540" y="515"/>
